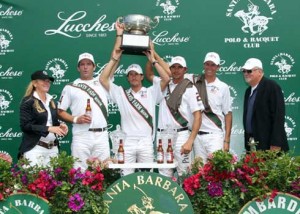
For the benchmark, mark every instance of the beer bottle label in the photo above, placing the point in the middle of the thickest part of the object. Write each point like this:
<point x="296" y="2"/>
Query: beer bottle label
<point x="170" y="157"/>
<point x="160" y="157"/>
<point x="120" y="157"/>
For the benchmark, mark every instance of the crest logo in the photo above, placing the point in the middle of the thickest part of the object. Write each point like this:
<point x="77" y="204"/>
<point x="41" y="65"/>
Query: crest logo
<point x="9" y="73"/>
<point x="143" y="194"/>
<point x="5" y="101"/>
<point x="284" y="63"/>
<point x="8" y="13"/>
<point x="5" y="39"/>
<point x="289" y="127"/>
<point x="168" y="8"/>
<point x="254" y="22"/>
<point x="58" y="67"/>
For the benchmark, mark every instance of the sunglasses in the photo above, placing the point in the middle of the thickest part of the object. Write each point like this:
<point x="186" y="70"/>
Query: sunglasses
<point x="247" y="71"/>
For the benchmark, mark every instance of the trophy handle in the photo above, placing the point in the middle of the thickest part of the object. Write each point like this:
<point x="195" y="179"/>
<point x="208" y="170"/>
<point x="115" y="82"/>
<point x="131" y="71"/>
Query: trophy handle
<point x="120" y="20"/>
<point x="154" y="22"/>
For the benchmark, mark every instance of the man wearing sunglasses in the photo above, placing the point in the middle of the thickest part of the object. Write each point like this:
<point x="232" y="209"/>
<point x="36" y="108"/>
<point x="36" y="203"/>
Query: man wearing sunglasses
<point x="264" y="109"/>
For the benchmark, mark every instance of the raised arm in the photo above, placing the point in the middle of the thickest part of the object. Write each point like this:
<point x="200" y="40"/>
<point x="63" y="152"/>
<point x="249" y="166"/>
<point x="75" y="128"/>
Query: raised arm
<point x="152" y="62"/>
<point x="111" y="66"/>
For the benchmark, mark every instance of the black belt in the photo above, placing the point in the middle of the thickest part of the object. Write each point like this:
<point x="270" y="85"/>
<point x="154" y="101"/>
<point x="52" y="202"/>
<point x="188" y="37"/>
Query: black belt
<point x="202" y="133"/>
<point x="47" y="145"/>
<point x="177" y="130"/>
<point x="98" y="129"/>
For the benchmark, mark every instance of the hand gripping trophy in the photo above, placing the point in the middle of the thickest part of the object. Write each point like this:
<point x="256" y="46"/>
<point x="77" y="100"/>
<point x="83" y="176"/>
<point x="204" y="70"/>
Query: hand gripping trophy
<point x="135" y="39"/>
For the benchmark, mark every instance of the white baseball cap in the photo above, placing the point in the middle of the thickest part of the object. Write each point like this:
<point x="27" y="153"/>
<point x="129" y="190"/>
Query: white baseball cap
<point x="134" y="67"/>
<point x="212" y="56"/>
<point x="252" y="63"/>
<point x="179" y="60"/>
<point x="86" y="56"/>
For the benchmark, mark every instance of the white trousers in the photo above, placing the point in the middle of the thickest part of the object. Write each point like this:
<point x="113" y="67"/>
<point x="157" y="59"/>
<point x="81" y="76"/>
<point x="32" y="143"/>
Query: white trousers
<point x="183" y="160"/>
<point x="89" y="145"/>
<point x="137" y="150"/>
<point x="40" y="156"/>
<point x="206" y="144"/>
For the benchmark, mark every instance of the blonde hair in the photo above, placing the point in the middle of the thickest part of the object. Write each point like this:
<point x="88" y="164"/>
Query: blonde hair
<point x="30" y="89"/>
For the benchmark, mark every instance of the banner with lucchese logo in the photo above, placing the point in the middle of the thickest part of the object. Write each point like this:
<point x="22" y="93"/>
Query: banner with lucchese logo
<point x="147" y="193"/>
<point x="283" y="203"/>
<point x="24" y="203"/>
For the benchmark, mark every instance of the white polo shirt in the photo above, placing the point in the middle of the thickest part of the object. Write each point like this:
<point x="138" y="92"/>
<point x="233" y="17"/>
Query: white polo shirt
<point x="219" y="99"/>
<point x="76" y="99"/>
<point x="190" y="103"/>
<point x="133" y="124"/>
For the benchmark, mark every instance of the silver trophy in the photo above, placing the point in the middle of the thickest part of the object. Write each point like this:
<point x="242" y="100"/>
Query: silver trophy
<point x="135" y="39"/>
<point x="115" y="137"/>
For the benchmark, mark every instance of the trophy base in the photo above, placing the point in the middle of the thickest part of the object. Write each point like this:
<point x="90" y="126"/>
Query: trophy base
<point x="135" y="44"/>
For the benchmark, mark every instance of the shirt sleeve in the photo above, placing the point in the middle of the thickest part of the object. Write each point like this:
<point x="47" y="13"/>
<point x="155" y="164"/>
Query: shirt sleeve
<point x="227" y="101"/>
<point x="157" y="90"/>
<point x="194" y="100"/>
<point x="65" y="99"/>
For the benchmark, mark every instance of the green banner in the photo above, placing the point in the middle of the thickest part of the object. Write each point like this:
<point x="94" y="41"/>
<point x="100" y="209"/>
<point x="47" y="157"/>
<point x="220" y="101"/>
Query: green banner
<point x="50" y="35"/>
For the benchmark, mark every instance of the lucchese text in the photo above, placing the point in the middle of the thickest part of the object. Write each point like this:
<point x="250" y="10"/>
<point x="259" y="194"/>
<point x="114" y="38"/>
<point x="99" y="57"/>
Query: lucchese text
<point x="72" y="28"/>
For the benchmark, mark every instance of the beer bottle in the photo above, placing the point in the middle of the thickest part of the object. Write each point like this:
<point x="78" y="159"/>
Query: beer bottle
<point x="121" y="158"/>
<point x="170" y="155"/>
<point x="160" y="152"/>
<point x="88" y="109"/>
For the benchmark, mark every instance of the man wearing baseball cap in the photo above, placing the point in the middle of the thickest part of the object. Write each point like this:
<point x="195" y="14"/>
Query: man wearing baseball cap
<point x="90" y="135"/>
<point x="180" y="110"/>
<point x="264" y="110"/>
<point x="136" y="105"/>
<point x="215" y="130"/>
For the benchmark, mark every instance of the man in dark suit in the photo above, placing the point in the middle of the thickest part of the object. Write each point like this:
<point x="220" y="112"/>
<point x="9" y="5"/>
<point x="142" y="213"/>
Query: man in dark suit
<point x="264" y="109"/>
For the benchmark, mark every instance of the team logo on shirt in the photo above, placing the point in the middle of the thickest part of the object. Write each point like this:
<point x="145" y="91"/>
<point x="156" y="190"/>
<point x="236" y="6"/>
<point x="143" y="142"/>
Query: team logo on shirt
<point x="253" y="19"/>
<point x="290" y="128"/>
<point x="5" y="41"/>
<point x="6" y="99"/>
<point x="284" y="63"/>
<point x="58" y="67"/>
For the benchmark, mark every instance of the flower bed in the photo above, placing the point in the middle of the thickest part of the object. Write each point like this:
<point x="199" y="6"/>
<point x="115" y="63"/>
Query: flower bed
<point x="223" y="185"/>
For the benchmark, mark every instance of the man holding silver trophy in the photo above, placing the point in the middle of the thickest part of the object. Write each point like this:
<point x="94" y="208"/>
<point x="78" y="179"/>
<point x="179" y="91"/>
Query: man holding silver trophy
<point x="136" y="104"/>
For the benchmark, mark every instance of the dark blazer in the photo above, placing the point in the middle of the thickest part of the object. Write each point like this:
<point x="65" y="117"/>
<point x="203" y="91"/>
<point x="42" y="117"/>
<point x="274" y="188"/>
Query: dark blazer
<point x="268" y="116"/>
<point x="33" y="120"/>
